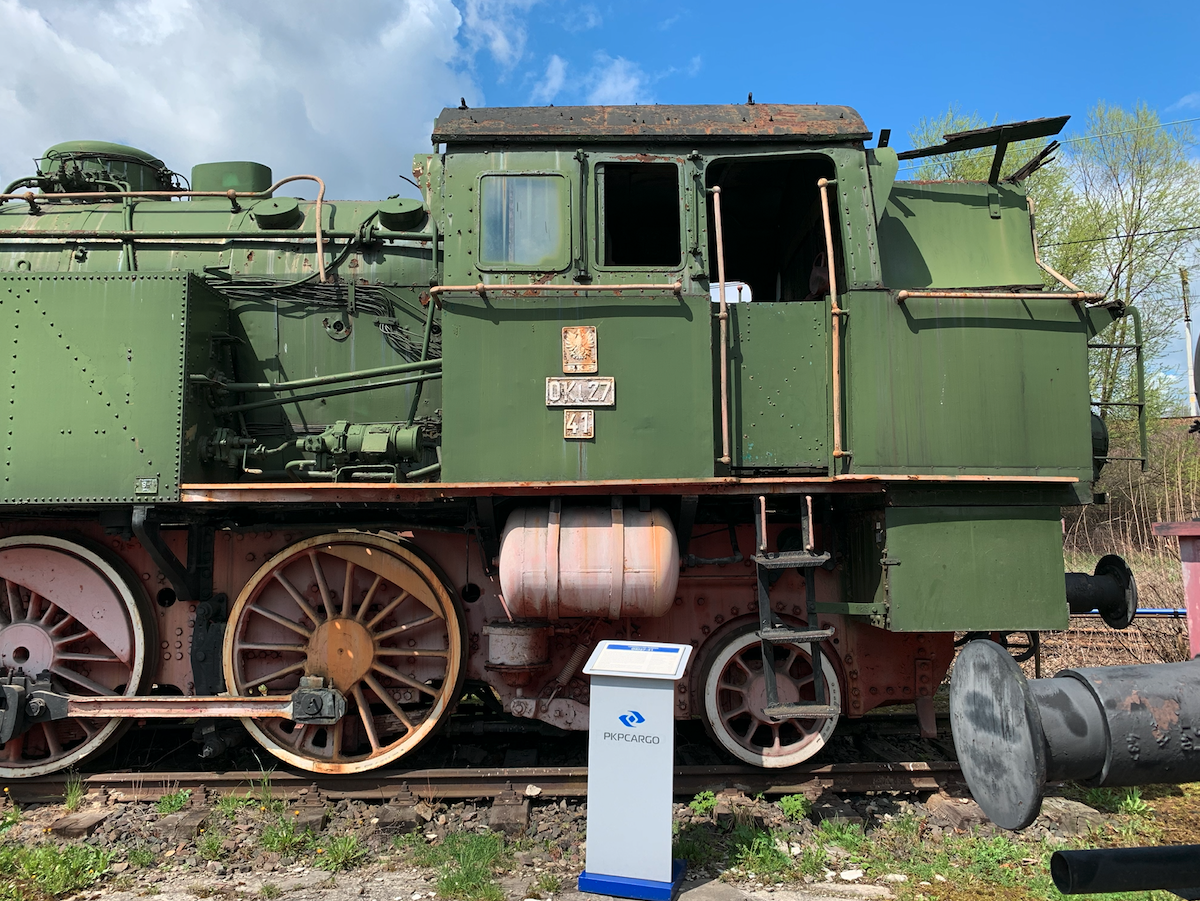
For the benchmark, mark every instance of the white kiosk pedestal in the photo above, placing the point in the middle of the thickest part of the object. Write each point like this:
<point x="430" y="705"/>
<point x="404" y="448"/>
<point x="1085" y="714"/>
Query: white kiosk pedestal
<point x="631" y="757"/>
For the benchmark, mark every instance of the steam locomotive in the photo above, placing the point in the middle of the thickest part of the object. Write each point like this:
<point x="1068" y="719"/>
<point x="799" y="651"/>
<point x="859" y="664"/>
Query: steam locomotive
<point x="318" y="465"/>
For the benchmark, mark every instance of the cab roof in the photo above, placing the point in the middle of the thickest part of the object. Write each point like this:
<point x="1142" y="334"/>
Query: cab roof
<point x="723" y="122"/>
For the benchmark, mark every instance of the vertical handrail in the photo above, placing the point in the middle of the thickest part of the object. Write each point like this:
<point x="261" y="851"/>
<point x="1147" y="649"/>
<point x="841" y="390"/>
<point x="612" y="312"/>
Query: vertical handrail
<point x="723" y="318"/>
<point x="823" y="184"/>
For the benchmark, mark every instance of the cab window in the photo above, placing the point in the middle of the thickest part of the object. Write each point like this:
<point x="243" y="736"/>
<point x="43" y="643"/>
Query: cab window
<point x="639" y="209"/>
<point x="524" y="222"/>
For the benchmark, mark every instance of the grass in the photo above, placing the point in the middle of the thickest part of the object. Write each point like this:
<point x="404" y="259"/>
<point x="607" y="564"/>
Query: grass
<point x="173" y="802"/>
<point x="140" y="857"/>
<point x="75" y="791"/>
<point x="795" y="807"/>
<point x="281" y="836"/>
<point x="342" y="852"/>
<point x="757" y="851"/>
<point x="546" y="885"/>
<point x="269" y="890"/>
<point x="10" y="818"/>
<point x="229" y="805"/>
<point x="703" y="804"/>
<point x="208" y="844"/>
<point x="37" y="873"/>
<point x="466" y="862"/>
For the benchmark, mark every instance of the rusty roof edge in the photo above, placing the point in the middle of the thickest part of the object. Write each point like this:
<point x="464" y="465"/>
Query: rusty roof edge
<point x="716" y="122"/>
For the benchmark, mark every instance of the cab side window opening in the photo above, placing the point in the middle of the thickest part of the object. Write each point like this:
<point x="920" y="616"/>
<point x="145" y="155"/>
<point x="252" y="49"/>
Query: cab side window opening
<point x="524" y="222"/>
<point x="640" y="214"/>
<point x="773" y="232"/>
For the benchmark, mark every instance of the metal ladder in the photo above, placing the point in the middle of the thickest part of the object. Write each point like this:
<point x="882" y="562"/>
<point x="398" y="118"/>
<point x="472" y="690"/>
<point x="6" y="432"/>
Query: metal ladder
<point x="772" y="631"/>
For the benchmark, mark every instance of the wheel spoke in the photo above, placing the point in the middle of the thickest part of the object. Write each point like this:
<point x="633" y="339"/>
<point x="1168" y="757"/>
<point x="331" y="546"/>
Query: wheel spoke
<point x="410" y="652"/>
<point x="83" y="681"/>
<point x="52" y="741"/>
<point x="261" y="646"/>
<point x="282" y="620"/>
<point x="305" y="607"/>
<point x="34" y="612"/>
<point x="382" y="614"/>
<point x="384" y="636"/>
<point x="87" y="658"/>
<point x="14" y="601"/>
<point x="321" y="584"/>
<point x="364" y="713"/>
<point x="366" y="602"/>
<point x="348" y="589"/>
<point x="297" y="736"/>
<point x="386" y="670"/>
<point x="386" y="696"/>
<point x="48" y="616"/>
<point x="72" y="639"/>
<point x="279" y="673"/>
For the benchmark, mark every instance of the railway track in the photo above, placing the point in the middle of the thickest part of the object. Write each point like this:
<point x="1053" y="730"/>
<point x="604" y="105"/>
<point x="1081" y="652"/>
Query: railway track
<point x="461" y="783"/>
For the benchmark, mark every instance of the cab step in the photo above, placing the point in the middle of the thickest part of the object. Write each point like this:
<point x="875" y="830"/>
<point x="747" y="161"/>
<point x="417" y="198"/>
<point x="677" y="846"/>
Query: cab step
<point x="790" y="560"/>
<point x="795" y="636"/>
<point x="801" y="711"/>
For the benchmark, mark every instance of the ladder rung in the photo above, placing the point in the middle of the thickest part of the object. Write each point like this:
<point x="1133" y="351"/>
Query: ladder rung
<point x="801" y="711"/>
<point x="796" y="636"/>
<point x="789" y="560"/>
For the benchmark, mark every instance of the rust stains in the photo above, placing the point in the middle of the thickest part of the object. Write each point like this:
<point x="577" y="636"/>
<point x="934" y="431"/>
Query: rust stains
<point x="763" y="121"/>
<point x="1165" y="713"/>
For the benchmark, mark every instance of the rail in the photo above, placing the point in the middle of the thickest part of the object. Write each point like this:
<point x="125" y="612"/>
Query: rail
<point x="34" y="199"/>
<point x="482" y="782"/>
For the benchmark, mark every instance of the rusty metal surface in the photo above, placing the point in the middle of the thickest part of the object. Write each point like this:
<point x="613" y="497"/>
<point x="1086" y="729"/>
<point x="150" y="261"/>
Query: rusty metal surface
<point x="459" y="783"/>
<point x="724" y="122"/>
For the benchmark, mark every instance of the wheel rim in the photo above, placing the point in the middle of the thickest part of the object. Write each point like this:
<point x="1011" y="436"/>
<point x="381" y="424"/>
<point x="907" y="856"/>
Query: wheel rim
<point x="735" y="693"/>
<point x="67" y="611"/>
<point x="370" y="615"/>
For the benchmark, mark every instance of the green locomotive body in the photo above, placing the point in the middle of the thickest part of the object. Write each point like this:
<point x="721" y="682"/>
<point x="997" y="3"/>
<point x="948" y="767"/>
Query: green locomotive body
<point x="525" y="405"/>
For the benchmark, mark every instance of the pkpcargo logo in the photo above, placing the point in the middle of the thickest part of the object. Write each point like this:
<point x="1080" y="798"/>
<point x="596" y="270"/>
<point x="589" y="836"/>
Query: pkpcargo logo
<point x="629" y="721"/>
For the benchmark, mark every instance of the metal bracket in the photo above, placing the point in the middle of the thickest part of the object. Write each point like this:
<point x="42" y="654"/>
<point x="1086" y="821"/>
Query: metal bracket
<point x="193" y="582"/>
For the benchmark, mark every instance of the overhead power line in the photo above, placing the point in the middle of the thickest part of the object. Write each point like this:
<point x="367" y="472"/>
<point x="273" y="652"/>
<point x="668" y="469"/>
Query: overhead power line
<point x="1161" y="231"/>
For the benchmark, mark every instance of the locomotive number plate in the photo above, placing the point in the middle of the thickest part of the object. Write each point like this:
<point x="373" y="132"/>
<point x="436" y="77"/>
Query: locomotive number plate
<point x="565" y="391"/>
<point x="579" y="423"/>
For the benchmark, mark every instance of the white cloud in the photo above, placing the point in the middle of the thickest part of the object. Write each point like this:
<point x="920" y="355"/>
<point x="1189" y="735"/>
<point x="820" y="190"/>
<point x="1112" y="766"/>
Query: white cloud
<point x="552" y="82"/>
<point x="1189" y="101"/>
<point x="495" y="25"/>
<point x="582" y="18"/>
<point x="617" y="81"/>
<point x="349" y="97"/>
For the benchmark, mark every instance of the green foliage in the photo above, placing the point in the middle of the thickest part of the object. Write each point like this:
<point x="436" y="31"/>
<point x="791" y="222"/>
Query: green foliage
<point x="229" y="805"/>
<point x="33" y="873"/>
<point x="757" y="851"/>
<point x="208" y="845"/>
<point x="697" y="845"/>
<point x="546" y="884"/>
<point x="1132" y="804"/>
<point x="269" y="890"/>
<point x="845" y="835"/>
<point x="795" y="807"/>
<point x="75" y="791"/>
<point x="703" y="804"/>
<point x="140" y="857"/>
<point x="10" y="817"/>
<point x="173" y="802"/>
<point x="342" y="852"/>
<point x="466" y="863"/>
<point x="280" y="835"/>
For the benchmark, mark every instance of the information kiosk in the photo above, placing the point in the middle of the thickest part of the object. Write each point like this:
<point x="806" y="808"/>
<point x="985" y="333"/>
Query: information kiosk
<point x="631" y="757"/>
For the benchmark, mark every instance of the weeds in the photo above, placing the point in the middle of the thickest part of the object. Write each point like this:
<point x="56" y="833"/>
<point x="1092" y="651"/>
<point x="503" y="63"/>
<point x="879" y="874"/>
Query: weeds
<point x="173" y="802"/>
<point x="343" y="852"/>
<point x="795" y="807"/>
<point x="466" y="862"/>
<point x="229" y="805"/>
<point x="703" y="804"/>
<point x="10" y="818"/>
<point x="697" y="845"/>
<point x="208" y="845"/>
<point x="1132" y="804"/>
<point x="281" y="836"/>
<point x="758" y="852"/>
<point x="140" y="857"/>
<point x="269" y="890"/>
<point x="46" y="870"/>
<point x="546" y="885"/>
<point x="74" y="794"/>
